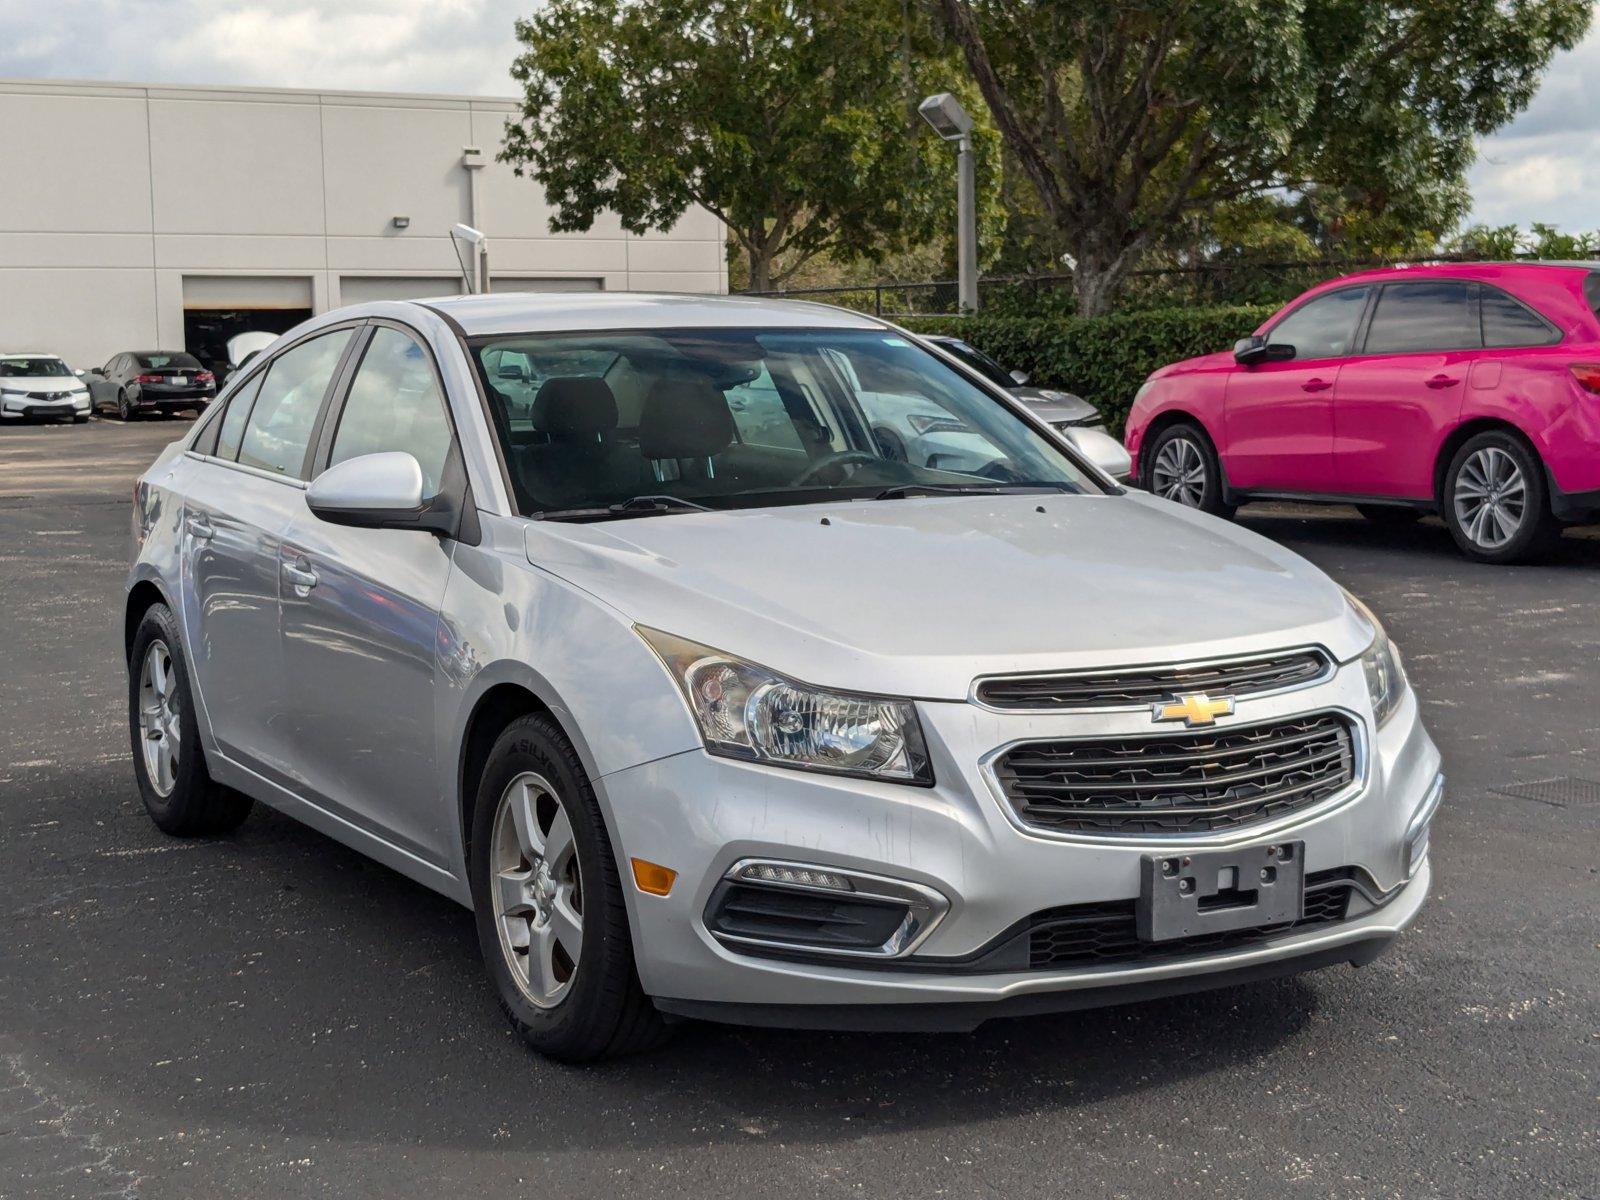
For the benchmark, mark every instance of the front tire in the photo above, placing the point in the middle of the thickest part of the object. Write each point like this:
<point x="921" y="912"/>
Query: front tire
<point x="1184" y="469"/>
<point x="1495" y="500"/>
<point x="547" y="898"/>
<point x="168" y="761"/>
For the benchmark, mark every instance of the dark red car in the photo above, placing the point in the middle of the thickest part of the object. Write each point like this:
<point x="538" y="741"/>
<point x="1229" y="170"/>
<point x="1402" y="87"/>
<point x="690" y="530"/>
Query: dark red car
<point x="1469" y="390"/>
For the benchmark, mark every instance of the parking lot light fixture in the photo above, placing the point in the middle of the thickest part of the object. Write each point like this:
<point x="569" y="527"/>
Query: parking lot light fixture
<point x="953" y="123"/>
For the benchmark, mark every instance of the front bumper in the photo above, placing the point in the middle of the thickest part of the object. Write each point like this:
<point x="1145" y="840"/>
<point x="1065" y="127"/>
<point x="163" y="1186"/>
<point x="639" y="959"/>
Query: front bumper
<point x="700" y="815"/>
<point x="17" y="408"/>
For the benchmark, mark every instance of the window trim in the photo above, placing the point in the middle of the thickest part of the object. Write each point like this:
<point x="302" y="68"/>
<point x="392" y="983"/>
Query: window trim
<point x="1358" y="332"/>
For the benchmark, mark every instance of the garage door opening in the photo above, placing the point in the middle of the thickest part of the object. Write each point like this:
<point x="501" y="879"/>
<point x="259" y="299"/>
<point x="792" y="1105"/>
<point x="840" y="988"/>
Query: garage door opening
<point x="217" y="308"/>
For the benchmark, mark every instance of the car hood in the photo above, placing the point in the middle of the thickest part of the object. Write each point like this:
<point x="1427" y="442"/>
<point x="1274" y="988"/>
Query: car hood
<point x="1053" y="405"/>
<point x="42" y="383"/>
<point x="917" y="597"/>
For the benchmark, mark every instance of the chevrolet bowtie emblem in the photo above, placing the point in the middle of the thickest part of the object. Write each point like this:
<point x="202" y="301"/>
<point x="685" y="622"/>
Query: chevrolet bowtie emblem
<point x="1193" y="708"/>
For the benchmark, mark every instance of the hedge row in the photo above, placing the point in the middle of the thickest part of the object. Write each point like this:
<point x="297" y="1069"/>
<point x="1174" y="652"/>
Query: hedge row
<point x="1102" y="359"/>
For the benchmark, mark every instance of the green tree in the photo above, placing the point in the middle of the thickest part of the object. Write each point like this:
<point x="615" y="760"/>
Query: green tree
<point x="1130" y="117"/>
<point x="792" y="121"/>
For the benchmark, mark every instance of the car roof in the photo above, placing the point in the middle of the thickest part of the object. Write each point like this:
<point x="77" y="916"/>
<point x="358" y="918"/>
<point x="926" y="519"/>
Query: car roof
<point x="1477" y="269"/>
<point x="28" y="354"/>
<point x="557" y="312"/>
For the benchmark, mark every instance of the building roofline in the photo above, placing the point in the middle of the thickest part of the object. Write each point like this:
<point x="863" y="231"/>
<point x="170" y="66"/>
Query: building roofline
<point x="245" y="92"/>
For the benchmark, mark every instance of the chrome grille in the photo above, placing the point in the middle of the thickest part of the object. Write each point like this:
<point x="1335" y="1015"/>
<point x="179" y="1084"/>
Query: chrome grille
<point x="1180" y="783"/>
<point x="1136" y="688"/>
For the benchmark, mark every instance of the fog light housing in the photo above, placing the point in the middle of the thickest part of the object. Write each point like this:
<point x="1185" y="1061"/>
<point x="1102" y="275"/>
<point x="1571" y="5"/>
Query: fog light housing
<point x="1421" y="825"/>
<point x="769" y="906"/>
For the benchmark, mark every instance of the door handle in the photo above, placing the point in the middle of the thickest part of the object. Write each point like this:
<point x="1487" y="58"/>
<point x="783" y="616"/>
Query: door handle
<point x="1443" y="381"/>
<point x="303" y="579"/>
<point x="1316" y="385"/>
<point x="199" y="528"/>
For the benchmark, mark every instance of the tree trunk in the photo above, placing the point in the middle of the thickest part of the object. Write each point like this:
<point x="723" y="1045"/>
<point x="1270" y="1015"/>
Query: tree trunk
<point x="1097" y="279"/>
<point x="760" y="270"/>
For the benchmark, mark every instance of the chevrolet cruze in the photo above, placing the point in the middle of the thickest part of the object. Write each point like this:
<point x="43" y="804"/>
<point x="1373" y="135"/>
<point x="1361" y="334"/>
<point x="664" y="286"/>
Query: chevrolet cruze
<point x="611" y="619"/>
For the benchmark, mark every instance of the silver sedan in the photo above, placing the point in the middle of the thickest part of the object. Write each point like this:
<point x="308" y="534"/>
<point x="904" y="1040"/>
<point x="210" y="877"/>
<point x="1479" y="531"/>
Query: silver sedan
<point x="609" y="618"/>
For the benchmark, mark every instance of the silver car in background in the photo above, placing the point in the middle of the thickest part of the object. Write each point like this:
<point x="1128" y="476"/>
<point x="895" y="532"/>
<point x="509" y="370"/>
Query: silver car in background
<point x="609" y="618"/>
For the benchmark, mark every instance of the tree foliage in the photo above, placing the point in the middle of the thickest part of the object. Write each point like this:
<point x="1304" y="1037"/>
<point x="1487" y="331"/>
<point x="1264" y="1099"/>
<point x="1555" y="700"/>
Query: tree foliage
<point x="1132" y="117"/>
<point x="791" y="120"/>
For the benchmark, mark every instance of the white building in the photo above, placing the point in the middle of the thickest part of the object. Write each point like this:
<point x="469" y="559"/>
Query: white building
<point x="138" y="217"/>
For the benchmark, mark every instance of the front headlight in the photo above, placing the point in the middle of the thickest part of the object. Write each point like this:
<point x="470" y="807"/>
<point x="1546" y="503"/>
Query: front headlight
<point x="746" y="711"/>
<point x="1386" y="678"/>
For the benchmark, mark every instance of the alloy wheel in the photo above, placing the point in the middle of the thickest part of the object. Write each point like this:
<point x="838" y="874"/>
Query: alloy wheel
<point x="1179" y="473"/>
<point x="537" y="889"/>
<point x="1491" y="498"/>
<point x="159" y="724"/>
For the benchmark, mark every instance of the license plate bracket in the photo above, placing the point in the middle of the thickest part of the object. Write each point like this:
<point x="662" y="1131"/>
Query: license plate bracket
<point x="1189" y="894"/>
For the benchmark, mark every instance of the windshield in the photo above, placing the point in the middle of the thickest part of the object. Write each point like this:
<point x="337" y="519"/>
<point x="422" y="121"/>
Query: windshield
<point x="979" y="362"/>
<point x="688" y="419"/>
<point x="32" y="368"/>
<point x="187" y="362"/>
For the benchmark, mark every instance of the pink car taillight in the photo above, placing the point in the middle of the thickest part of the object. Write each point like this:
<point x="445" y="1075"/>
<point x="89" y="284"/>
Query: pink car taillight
<point x="1588" y="376"/>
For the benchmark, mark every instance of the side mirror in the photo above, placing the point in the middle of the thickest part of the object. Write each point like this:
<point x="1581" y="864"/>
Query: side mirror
<point x="374" y="491"/>
<point x="1020" y="378"/>
<point x="1256" y="349"/>
<point x="1103" y="450"/>
<point x="80" y="373"/>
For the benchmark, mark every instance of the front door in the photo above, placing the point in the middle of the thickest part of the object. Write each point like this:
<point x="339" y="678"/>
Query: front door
<point x="1396" y="398"/>
<point x="1279" y="415"/>
<point x="361" y="618"/>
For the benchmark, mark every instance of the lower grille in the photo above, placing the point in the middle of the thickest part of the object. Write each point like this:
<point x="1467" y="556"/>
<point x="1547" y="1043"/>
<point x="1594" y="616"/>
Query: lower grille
<point x="1180" y="783"/>
<point x="1091" y="934"/>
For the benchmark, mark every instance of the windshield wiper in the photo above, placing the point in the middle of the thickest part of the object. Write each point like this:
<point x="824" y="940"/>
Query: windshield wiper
<point x="902" y="491"/>
<point x="633" y="506"/>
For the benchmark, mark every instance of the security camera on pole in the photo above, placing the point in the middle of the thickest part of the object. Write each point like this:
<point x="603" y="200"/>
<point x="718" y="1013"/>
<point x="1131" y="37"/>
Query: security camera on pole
<point x="954" y="124"/>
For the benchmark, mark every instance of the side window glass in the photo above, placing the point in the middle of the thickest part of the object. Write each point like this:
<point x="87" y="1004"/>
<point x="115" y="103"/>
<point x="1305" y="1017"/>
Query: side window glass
<point x="395" y="404"/>
<point x="278" y="429"/>
<point x="1324" y="327"/>
<point x="1413" y="317"/>
<point x="1509" y="322"/>
<point x="759" y="414"/>
<point x="223" y="438"/>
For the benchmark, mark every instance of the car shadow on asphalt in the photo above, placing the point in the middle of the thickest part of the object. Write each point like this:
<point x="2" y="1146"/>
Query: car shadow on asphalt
<point x="285" y="984"/>
<point x="1427" y="539"/>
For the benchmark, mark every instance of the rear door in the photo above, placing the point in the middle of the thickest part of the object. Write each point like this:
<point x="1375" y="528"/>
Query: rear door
<point x="248" y="484"/>
<point x="1398" y="397"/>
<point x="361" y="613"/>
<point x="1279" y="415"/>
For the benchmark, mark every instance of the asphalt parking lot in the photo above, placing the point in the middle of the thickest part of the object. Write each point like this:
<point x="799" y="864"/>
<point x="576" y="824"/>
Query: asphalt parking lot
<point x="271" y="1015"/>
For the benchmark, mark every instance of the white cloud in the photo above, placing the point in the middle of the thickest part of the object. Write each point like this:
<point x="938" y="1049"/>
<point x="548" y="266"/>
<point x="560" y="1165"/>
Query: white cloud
<point x="1542" y="167"/>
<point x="461" y="46"/>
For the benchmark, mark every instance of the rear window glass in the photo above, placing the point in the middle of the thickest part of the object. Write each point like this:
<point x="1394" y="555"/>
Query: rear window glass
<point x="1508" y="322"/>
<point x="1413" y="317"/>
<point x="1591" y="291"/>
<point x="156" y="362"/>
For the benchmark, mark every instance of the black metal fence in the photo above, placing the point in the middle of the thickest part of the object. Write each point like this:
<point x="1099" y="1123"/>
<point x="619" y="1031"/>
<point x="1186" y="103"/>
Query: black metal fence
<point x="1214" y="283"/>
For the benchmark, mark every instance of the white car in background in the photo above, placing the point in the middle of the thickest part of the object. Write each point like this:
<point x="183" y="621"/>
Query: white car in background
<point x="41" y="385"/>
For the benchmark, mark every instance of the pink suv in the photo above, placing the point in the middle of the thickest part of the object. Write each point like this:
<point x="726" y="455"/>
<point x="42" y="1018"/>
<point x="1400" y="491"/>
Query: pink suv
<point x="1472" y="391"/>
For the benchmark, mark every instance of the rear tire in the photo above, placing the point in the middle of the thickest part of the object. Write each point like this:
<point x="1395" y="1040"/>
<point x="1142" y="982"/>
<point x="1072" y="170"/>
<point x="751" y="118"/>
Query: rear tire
<point x="1495" y="500"/>
<point x="1182" y="466"/>
<point x="124" y="408"/>
<point x="535" y="802"/>
<point x="168" y="760"/>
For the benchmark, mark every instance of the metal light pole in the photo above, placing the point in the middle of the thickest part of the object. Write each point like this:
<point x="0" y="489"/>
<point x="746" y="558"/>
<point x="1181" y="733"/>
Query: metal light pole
<point x="954" y="124"/>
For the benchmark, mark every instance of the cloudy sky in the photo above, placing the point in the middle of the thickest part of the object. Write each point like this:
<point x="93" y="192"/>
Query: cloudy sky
<point x="1540" y="168"/>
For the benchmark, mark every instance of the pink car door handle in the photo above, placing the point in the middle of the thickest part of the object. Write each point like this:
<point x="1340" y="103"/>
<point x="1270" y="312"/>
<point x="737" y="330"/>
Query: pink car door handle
<point x="1443" y="381"/>
<point x="1316" y="385"/>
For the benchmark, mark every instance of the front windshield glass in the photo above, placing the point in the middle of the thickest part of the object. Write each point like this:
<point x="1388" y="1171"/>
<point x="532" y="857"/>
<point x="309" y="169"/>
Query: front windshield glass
<point x="32" y="368"/>
<point x="673" y="420"/>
